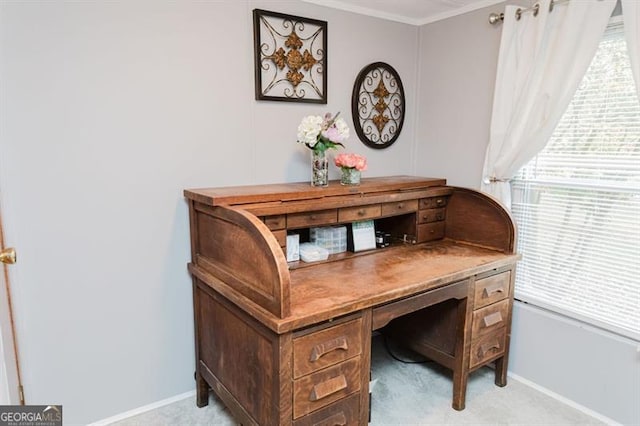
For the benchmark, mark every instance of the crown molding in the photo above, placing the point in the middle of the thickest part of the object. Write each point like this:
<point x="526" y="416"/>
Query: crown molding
<point x="361" y="10"/>
<point x="337" y="4"/>
<point x="459" y="11"/>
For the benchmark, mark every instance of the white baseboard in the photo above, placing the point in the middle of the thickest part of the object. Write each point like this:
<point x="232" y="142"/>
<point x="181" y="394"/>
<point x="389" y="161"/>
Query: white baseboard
<point x="143" y="409"/>
<point x="564" y="400"/>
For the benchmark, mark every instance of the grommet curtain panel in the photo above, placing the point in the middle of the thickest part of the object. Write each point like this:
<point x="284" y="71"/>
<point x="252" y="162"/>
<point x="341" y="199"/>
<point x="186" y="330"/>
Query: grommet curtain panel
<point x="541" y="61"/>
<point x="631" y="17"/>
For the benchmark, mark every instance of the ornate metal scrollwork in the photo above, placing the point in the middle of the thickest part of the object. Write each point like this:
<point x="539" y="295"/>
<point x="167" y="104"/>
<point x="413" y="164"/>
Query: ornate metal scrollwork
<point x="378" y="105"/>
<point x="290" y="57"/>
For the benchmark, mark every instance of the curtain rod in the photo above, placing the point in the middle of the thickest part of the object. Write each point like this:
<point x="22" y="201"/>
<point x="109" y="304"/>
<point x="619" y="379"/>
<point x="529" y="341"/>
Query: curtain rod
<point x="495" y="18"/>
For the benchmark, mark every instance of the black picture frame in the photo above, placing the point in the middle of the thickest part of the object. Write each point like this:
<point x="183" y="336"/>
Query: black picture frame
<point x="378" y="105"/>
<point x="290" y="57"/>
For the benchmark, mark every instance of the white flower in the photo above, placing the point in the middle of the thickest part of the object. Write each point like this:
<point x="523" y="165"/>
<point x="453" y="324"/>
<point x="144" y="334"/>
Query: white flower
<point x="309" y="129"/>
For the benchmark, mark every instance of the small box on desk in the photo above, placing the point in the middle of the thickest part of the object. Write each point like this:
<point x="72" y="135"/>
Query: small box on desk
<point x="333" y="238"/>
<point x="310" y="252"/>
<point x="361" y="236"/>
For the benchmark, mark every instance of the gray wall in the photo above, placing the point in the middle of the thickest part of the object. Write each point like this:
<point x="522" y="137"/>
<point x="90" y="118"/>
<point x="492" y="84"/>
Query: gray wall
<point x="108" y="110"/>
<point x="457" y="66"/>
<point x="588" y="366"/>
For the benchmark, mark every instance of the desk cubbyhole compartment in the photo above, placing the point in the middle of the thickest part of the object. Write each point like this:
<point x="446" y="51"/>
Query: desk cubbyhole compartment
<point x="398" y="226"/>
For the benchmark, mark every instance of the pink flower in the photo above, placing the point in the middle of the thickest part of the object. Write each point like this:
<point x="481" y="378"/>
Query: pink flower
<point x="322" y="133"/>
<point x="351" y="161"/>
<point x="336" y="132"/>
<point x="332" y="134"/>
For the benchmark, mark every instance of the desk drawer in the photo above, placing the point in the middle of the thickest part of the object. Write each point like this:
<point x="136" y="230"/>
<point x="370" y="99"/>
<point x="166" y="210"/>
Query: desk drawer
<point x="492" y="289"/>
<point x="399" y="207"/>
<point x="489" y="318"/>
<point x="276" y="222"/>
<point x="431" y="215"/>
<point x="351" y="214"/>
<point x="304" y="220"/>
<point x="344" y="412"/>
<point x="430" y="231"/>
<point x="433" y="202"/>
<point x="323" y="387"/>
<point x="326" y="347"/>
<point x="488" y="347"/>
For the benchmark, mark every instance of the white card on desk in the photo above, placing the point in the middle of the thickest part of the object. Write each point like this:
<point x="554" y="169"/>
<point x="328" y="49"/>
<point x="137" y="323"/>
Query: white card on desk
<point x="363" y="236"/>
<point x="293" y="248"/>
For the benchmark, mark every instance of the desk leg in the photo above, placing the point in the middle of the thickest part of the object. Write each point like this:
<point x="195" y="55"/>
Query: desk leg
<point x="365" y="372"/>
<point x="202" y="391"/>
<point x="202" y="387"/>
<point x="501" y="371"/>
<point x="461" y="359"/>
<point x="459" y="389"/>
<point x="503" y="362"/>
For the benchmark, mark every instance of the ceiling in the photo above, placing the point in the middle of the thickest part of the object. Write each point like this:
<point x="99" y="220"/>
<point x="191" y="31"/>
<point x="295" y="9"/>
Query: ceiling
<point x="414" y="12"/>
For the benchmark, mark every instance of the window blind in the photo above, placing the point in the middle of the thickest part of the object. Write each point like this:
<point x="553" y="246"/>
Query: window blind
<point x="577" y="203"/>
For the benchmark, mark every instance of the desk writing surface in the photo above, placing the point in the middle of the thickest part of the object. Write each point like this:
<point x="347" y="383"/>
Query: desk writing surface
<point x="331" y="289"/>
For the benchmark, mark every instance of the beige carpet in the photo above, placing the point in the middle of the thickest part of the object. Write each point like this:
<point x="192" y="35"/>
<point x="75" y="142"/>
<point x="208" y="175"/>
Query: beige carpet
<point x="411" y="394"/>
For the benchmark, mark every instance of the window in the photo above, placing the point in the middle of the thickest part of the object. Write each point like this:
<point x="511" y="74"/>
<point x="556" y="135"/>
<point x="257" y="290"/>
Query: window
<point x="577" y="203"/>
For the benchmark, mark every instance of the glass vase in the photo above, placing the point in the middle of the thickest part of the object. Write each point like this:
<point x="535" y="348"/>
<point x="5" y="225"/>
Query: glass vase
<point x="319" y="168"/>
<point x="350" y="176"/>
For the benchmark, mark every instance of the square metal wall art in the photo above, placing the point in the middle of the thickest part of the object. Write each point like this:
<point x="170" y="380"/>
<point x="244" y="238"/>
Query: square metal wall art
<point x="290" y="57"/>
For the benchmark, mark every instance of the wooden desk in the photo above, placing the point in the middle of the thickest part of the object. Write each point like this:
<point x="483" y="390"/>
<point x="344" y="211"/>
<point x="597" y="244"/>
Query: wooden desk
<point x="291" y="343"/>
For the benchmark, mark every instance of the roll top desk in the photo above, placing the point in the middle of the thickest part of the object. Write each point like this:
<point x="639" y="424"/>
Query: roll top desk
<point x="290" y="343"/>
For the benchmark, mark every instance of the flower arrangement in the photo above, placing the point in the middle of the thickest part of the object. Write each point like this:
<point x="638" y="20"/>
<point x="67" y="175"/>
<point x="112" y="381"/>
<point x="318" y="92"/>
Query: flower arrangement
<point x="322" y="133"/>
<point x="351" y="165"/>
<point x="351" y="161"/>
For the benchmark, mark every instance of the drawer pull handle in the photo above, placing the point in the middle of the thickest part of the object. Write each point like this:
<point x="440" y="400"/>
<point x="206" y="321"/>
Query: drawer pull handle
<point x="362" y="212"/>
<point x="324" y="348"/>
<point x="439" y="216"/>
<point x="487" y="347"/>
<point x="400" y="206"/>
<point x="492" y="319"/>
<point x="491" y="290"/>
<point x="331" y="386"/>
<point x="439" y="201"/>
<point x="313" y="217"/>
<point x="338" y="419"/>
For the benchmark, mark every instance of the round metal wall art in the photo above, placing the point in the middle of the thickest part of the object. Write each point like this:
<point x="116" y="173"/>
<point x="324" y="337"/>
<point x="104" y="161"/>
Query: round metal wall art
<point x="378" y="105"/>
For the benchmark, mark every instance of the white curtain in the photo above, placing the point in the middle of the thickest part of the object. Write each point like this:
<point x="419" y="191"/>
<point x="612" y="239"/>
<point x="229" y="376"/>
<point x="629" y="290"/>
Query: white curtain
<point x="631" y="17"/>
<point x="541" y="62"/>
